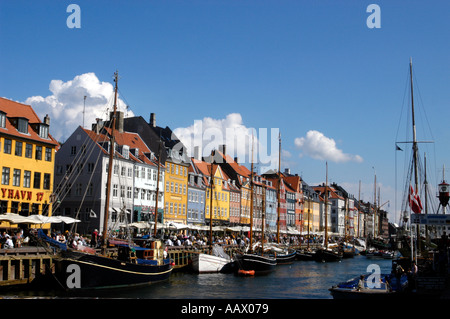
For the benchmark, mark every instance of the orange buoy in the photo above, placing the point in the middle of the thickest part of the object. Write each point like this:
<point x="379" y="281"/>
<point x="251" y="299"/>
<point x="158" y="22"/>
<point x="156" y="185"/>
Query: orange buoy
<point x="246" y="272"/>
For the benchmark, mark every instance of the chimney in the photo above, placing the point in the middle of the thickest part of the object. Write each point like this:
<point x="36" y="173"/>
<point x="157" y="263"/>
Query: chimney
<point x="119" y="120"/>
<point x="287" y="171"/>
<point x="152" y="120"/>
<point x="236" y="159"/>
<point x="47" y="119"/>
<point x="96" y="127"/>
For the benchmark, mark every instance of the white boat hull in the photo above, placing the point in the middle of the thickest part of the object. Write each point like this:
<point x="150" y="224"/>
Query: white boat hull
<point x="204" y="263"/>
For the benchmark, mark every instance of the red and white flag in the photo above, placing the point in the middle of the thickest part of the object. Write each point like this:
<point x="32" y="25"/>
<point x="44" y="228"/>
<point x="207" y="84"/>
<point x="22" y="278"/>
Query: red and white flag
<point x="414" y="201"/>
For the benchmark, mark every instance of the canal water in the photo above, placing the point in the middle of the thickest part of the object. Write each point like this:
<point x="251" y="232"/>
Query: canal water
<point x="300" y="280"/>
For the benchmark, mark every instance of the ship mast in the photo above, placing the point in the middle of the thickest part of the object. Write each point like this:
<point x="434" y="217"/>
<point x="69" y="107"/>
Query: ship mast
<point x="278" y="189"/>
<point x="415" y="150"/>
<point x="157" y="190"/>
<point x="110" y="166"/>
<point x="251" y="202"/>
<point x="326" y="208"/>
<point x="211" y="179"/>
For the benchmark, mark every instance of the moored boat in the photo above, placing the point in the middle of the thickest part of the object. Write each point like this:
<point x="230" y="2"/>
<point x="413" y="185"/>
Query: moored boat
<point x="209" y="263"/>
<point x="286" y="259"/>
<point x="327" y="255"/>
<point x="367" y="287"/>
<point x="305" y="255"/>
<point x="78" y="270"/>
<point x="261" y="265"/>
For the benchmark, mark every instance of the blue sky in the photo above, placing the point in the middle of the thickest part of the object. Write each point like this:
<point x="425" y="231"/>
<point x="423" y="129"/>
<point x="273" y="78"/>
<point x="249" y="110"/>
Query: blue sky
<point x="298" y="66"/>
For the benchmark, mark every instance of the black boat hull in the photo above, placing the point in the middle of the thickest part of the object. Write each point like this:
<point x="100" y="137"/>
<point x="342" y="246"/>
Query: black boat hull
<point x="261" y="265"/>
<point x="76" y="270"/>
<point x="325" y="255"/>
<point x="286" y="259"/>
<point x="304" y="256"/>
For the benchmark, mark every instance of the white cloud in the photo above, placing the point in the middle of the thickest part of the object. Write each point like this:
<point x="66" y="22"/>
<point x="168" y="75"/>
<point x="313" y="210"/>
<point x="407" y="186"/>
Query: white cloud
<point x="318" y="146"/>
<point x="66" y="103"/>
<point x="209" y="134"/>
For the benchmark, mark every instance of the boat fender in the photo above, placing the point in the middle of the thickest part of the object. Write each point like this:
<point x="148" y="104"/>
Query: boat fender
<point x="246" y="272"/>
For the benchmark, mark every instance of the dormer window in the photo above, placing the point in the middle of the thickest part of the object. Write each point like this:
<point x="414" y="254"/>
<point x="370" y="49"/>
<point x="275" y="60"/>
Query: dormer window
<point x="126" y="151"/>
<point x="43" y="130"/>
<point x="2" y="119"/>
<point x="21" y="124"/>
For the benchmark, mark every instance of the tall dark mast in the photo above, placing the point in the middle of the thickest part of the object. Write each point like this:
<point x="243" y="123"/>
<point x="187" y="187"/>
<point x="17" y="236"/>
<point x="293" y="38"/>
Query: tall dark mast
<point x="110" y="166"/>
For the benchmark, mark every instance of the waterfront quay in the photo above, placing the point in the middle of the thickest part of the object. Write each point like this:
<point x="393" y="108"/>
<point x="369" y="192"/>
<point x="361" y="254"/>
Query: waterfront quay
<point x="21" y="266"/>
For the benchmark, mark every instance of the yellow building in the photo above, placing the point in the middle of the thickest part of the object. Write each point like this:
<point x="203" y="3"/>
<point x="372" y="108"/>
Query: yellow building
<point x="175" y="195"/>
<point x="245" y="202"/>
<point x="220" y="197"/>
<point x="27" y="157"/>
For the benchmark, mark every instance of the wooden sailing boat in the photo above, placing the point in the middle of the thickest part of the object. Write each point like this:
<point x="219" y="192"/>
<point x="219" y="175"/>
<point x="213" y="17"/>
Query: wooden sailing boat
<point x="80" y="270"/>
<point x="251" y="263"/>
<point x="324" y="254"/>
<point x="217" y="258"/>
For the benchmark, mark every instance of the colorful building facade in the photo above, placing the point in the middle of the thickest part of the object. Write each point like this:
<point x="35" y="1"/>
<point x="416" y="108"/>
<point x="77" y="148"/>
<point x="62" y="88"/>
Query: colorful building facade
<point x="27" y="159"/>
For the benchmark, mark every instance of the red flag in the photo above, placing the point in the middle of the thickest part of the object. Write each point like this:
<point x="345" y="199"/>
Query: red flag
<point x="414" y="201"/>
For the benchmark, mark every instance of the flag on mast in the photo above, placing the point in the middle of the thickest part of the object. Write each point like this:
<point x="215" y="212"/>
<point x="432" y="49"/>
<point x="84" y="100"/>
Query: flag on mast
<point x="414" y="201"/>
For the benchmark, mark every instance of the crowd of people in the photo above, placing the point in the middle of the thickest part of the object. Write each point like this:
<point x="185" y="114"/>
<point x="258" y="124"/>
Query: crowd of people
<point x="200" y="239"/>
<point x="16" y="238"/>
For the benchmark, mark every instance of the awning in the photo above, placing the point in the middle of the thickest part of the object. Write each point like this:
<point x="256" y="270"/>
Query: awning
<point x="37" y="219"/>
<point x="177" y="226"/>
<point x="144" y="224"/>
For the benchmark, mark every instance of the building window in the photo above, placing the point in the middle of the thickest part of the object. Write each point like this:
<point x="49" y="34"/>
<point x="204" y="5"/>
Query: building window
<point x="16" y="177"/>
<point x="90" y="190"/>
<point x="43" y="131"/>
<point x="22" y="125"/>
<point x="73" y="150"/>
<point x="5" y="176"/>
<point x="18" y="151"/>
<point x="37" y="180"/>
<point x="3" y="206"/>
<point x="48" y="154"/>
<point x="38" y="154"/>
<point x="28" y="150"/>
<point x="47" y="181"/>
<point x="26" y="179"/>
<point x="35" y="208"/>
<point x="129" y="191"/>
<point x="115" y="190"/>
<point x="15" y="207"/>
<point x="78" y="188"/>
<point x="7" y="146"/>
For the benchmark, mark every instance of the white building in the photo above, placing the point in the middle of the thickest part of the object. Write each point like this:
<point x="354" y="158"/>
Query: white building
<point x="81" y="178"/>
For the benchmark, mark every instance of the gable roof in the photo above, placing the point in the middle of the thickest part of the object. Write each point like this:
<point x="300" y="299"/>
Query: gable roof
<point x="133" y="140"/>
<point x="18" y="110"/>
